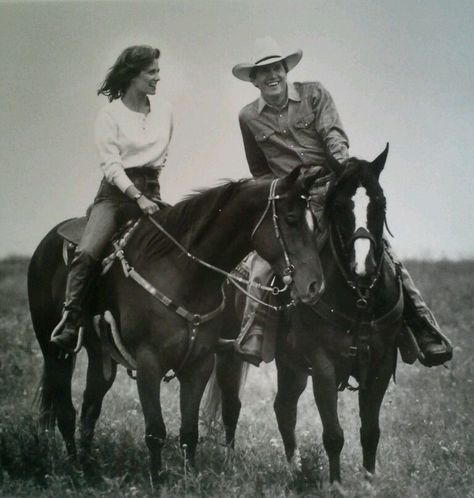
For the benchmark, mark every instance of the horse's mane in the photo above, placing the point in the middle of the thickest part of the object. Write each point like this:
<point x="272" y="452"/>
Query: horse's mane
<point x="188" y="220"/>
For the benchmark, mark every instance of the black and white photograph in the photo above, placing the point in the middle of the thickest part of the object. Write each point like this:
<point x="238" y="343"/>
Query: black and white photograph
<point x="237" y="252"/>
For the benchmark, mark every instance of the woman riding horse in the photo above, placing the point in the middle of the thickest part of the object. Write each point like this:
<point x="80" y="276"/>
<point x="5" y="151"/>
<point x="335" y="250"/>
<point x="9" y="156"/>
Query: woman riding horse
<point x="132" y="135"/>
<point x="162" y="301"/>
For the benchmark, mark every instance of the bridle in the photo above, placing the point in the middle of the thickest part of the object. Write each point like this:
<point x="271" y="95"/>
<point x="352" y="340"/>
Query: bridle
<point x="272" y="197"/>
<point x="363" y="292"/>
<point x="287" y="272"/>
<point x="236" y="280"/>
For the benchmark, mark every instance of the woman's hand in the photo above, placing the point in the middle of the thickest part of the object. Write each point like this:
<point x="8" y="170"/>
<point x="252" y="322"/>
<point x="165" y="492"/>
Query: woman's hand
<point x="147" y="206"/>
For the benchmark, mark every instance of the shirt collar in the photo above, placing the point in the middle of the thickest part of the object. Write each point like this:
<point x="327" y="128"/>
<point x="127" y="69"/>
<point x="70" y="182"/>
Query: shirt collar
<point x="292" y="95"/>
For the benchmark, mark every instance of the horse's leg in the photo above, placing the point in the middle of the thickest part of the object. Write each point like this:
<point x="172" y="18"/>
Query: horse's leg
<point x="192" y="385"/>
<point x="370" y="401"/>
<point x="291" y="384"/>
<point x="325" y="394"/>
<point x="148" y="382"/>
<point x="96" y="388"/>
<point x="228" y="372"/>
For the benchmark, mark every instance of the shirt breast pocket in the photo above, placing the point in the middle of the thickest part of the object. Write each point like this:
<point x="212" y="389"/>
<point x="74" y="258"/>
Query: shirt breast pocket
<point x="305" y="130"/>
<point x="267" y="141"/>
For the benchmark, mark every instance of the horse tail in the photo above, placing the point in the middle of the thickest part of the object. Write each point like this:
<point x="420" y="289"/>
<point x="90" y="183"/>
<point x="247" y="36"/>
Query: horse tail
<point x="211" y="407"/>
<point x="230" y="372"/>
<point x="46" y="281"/>
<point x="211" y="400"/>
<point x="44" y="404"/>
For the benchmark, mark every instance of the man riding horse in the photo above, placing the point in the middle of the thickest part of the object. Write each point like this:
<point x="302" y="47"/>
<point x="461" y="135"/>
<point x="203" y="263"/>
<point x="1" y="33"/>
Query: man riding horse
<point x="297" y="124"/>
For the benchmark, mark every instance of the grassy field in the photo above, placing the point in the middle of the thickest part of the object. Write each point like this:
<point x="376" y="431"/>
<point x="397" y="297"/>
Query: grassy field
<point x="426" y="448"/>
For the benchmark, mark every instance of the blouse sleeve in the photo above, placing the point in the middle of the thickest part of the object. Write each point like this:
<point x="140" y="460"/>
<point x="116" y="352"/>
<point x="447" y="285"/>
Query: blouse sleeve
<point x="106" y="139"/>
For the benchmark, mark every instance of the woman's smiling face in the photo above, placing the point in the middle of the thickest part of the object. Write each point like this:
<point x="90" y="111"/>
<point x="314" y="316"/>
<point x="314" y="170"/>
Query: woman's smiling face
<point x="147" y="79"/>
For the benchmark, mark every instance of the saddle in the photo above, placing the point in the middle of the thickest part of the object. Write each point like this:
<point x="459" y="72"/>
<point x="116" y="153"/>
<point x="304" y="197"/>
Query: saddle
<point x="104" y="322"/>
<point x="72" y="230"/>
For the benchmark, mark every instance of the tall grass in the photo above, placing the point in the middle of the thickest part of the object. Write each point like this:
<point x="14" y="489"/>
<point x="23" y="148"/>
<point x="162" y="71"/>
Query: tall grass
<point x="426" y="448"/>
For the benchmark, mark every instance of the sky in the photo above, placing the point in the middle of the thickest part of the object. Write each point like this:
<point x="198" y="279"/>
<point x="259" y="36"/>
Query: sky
<point x="400" y="71"/>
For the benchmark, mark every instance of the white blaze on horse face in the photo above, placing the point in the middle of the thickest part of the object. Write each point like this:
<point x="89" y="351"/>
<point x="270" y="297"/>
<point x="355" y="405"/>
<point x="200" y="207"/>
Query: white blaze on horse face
<point x="309" y="220"/>
<point x="361" y="246"/>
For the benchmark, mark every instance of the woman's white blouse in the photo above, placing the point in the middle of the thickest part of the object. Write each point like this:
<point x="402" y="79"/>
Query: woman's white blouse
<point x="127" y="139"/>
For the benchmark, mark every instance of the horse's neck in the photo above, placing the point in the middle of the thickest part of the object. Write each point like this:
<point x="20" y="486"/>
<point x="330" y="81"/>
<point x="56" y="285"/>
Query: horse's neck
<point x="227" y="241"/>
<point x="337" y="291"/>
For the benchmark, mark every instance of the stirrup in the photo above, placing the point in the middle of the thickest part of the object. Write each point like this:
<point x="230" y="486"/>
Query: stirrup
<point x="225" y="345"/>
<point x="436" y="360"/>
<point x="58" y="329"/>
<point x="252" y="357"/>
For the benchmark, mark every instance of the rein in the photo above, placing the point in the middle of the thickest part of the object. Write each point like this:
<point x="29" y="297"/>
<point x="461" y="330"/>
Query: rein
<point x="236" y="280"/>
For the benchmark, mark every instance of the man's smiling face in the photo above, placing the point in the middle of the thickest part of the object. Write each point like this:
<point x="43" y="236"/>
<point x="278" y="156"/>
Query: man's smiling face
<point x="271" y="81"/>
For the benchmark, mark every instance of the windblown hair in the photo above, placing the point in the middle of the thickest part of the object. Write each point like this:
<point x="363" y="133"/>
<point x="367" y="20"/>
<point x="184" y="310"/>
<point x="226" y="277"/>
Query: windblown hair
<point x="129" y="64"/>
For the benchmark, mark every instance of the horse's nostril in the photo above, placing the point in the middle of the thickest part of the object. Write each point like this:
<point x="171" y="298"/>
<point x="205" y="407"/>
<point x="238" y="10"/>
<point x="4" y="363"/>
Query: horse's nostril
<point x="313" y="288"/>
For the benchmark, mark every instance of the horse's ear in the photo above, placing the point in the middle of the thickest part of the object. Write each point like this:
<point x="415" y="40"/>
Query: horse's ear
<point x="334" y="165"/>
<point x="379" y="162"/>
<point x="292" y="177"/>
<point x="306" y="180"/>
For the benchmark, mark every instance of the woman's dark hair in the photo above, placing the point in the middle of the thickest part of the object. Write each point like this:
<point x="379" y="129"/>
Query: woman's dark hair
<point x="129" y="64"/>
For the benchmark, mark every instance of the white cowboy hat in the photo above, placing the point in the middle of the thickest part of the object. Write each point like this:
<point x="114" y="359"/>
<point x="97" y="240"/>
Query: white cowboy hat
<point x="266" y="51"/>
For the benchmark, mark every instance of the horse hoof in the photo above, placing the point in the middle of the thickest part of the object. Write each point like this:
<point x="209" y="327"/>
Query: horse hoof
<point x="157" y="480"/>
<point x="91" y="468"/>
<point x="368" y="482"/>
<point x="294" y="464"/>
<point x="368" y="476"/>
<point x="229" y="458"/>
<point x="337" y="490"/>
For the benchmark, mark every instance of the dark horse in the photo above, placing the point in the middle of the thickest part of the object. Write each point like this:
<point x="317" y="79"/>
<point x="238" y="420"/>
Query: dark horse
<point x="220" y="226"/>
<point x="350" y="331"/>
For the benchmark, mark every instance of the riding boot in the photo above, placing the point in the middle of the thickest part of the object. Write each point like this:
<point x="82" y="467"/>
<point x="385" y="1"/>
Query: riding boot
<point x="81" y="272"/>
<point x="435" y="347"/>
<point x="250" y="340"/>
